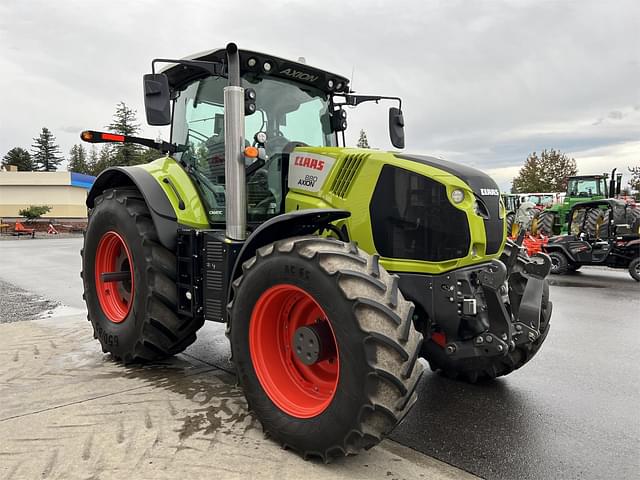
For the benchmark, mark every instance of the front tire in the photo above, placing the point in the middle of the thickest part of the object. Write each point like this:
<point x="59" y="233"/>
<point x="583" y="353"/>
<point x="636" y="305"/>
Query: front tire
<point x="353" y="396"/>
<point x="135" y="317"/>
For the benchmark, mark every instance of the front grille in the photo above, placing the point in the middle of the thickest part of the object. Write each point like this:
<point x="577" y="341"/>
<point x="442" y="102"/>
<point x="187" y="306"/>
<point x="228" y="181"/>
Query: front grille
<point x="412" y="218"/>
<point x="347" y="173"/>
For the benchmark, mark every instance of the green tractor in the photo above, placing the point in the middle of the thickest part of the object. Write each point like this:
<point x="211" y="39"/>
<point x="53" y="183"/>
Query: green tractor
<point x="335" y="269"/>
<point x="584" y="188"/>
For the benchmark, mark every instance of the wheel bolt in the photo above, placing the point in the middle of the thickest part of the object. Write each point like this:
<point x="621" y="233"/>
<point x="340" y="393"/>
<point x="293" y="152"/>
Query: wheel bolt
<point x="489" y="339"/>
<point x="451" y="349"/>
<point x="479" y="340"/>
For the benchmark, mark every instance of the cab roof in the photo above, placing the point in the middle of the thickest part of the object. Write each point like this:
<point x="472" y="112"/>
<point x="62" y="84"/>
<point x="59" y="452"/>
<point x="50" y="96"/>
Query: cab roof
<point x="255" y="62"/>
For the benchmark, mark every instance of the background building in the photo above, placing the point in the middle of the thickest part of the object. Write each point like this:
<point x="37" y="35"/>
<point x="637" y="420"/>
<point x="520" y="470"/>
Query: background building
<point x="64" y="192"/>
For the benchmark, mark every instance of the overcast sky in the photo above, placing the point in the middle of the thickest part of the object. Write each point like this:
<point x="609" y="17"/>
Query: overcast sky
<point x="483" y="82"/>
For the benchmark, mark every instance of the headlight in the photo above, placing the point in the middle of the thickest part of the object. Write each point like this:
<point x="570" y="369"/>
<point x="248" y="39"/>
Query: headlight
<point x="457" y="196"/>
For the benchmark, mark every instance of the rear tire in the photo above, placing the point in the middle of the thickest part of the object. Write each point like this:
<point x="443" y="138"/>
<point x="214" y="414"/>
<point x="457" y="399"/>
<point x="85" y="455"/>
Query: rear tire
<point x="559" y="263"/>
<point x="633" y="219"/>
<point x="140" y="324"/>
<point x="595" y="224"/>
<point x="634" y="269"/>
<point x="546" y="220"/>
<point x="371" y="323"/>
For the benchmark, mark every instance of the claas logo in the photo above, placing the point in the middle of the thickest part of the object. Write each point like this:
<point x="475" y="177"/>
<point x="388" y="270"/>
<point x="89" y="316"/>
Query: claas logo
<point x="309" y="162"/>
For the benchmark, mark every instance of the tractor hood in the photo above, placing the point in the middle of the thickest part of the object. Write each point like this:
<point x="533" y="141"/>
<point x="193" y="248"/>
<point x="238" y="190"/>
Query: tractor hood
<point x="484" y="187"/>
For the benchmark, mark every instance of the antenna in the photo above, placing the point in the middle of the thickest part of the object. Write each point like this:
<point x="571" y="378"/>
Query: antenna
<point x="353" y="71"/>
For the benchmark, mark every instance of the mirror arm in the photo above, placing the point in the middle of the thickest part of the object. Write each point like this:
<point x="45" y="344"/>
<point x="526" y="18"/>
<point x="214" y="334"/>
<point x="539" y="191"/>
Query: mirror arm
<point x="355" y="100"/>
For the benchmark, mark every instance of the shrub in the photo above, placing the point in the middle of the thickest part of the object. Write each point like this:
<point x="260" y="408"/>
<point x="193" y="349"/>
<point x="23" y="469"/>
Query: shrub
<point x="34" y="212"/>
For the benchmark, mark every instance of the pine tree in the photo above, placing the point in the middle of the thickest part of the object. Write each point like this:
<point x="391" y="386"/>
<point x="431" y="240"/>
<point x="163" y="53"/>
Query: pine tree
<point x="362" y="141"/>
<point x="149" y="155"/>
<point x="548" y="172"/>
<point x="20" y="158"/>
<point x="105" y="160"/>
<point x="125" y="123"/>
<point x="45" y="152"/>
<point x="78" y="159"/>
<point x="92" y="163"/>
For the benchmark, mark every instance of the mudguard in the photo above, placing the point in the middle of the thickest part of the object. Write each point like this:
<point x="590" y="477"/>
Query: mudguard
<point x="559" y="247"/>
<point x="292" y="224"/>
<point x="162" y="212"/>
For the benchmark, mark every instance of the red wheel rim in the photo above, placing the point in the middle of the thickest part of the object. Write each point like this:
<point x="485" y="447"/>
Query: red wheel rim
<point x="115" y="297"/>
<point x="302" y="391"/>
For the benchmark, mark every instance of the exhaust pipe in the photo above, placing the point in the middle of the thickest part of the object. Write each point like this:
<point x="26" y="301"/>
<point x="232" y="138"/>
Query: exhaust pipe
<point x="234" y="169"/>
<point x="612" y="184"/>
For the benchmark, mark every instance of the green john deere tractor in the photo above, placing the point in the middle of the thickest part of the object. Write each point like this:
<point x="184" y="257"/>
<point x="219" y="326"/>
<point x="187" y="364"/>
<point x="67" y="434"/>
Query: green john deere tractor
<point x="333" y="268"/>
<point x="584" y="188"/>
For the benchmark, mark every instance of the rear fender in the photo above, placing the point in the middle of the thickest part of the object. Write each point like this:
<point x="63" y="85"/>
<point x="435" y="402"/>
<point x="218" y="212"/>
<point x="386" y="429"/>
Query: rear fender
<point x="162" y="212"/>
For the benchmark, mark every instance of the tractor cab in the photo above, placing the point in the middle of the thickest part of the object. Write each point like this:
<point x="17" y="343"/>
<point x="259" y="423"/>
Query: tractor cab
<point x="286" y="105"/>
<point x="589" y="186"/>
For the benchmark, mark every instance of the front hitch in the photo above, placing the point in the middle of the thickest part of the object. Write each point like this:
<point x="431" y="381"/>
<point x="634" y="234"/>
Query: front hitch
<point x="509" y="294"/>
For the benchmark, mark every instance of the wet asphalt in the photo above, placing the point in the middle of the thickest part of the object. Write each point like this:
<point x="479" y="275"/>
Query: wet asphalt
<point x="572" y="412"/>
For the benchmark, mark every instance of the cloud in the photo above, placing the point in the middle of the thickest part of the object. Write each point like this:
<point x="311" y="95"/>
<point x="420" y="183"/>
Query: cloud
<point x="483" y="83"/>
<point x="76" y="129"/>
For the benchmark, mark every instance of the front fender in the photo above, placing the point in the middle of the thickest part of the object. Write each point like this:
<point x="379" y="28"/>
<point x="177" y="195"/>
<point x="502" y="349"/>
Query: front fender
<point x="291" y="224"/>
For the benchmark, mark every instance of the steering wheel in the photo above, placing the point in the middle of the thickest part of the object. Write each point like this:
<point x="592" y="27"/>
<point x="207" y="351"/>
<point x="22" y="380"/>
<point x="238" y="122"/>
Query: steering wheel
<point x="275" y="145"/>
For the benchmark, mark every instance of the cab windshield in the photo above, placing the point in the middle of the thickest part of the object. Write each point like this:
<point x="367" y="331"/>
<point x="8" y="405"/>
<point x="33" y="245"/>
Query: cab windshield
<point x="586" y="187"/>
<point x="289" y="114"/>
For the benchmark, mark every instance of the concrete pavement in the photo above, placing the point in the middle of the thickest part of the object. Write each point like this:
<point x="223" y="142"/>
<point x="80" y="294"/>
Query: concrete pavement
<point x="68" y="411"/>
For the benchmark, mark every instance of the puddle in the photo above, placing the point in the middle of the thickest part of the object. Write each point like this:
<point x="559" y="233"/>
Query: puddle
<point x="569" y="283"/>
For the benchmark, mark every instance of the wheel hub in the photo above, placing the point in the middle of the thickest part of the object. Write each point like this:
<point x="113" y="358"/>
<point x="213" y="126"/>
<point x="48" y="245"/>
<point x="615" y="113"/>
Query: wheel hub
<point x="313" y="343"/>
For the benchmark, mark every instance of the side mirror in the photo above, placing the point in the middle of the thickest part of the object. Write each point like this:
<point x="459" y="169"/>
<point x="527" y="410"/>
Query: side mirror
<point x="396" y="127"/>
<point x="156" y="99"/>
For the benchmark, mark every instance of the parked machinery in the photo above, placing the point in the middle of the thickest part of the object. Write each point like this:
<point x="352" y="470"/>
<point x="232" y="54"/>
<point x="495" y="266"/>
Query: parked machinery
<point x="608" y="242"/>
<point x="584" y="188"/>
